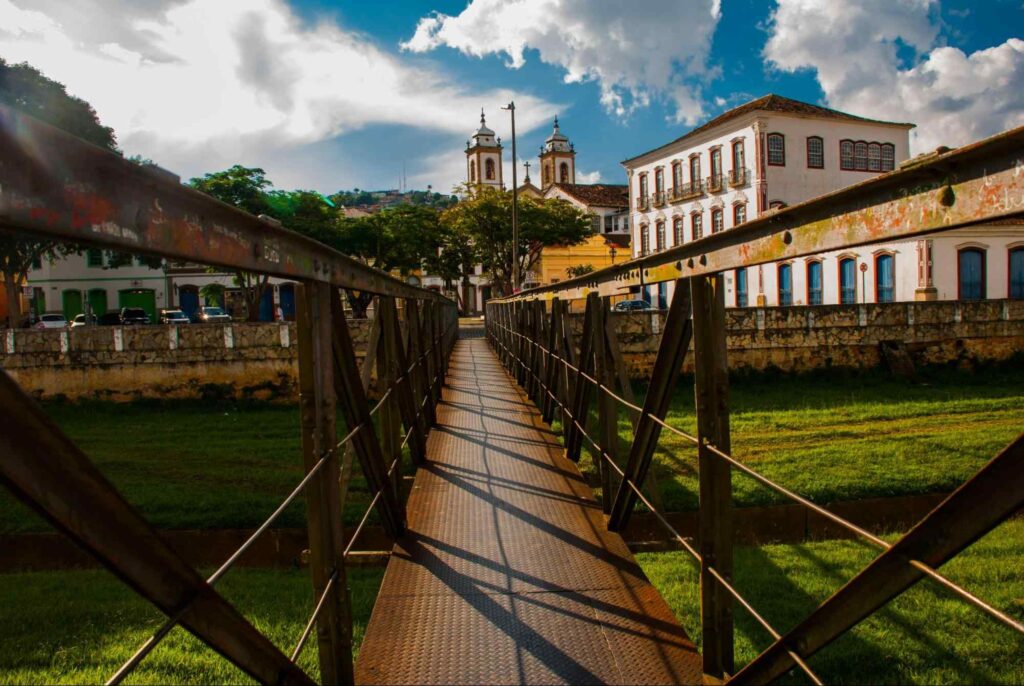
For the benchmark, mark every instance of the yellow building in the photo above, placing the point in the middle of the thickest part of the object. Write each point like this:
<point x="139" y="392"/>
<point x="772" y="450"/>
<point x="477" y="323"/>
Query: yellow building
<point x="608" y="207"/>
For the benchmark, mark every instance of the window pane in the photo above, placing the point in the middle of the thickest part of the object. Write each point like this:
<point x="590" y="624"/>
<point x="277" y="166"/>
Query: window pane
<point x="739" y="214"/>
<point x="888" y="157"/>
<point x="677" y="230"/>
<point x="785" y="285"/>
<point x="847" y="282"/>
<point x="972" y="275"/>
<point x="1017" y="273"/>
<point x="698" y="228"/>
<point x="717" y="222"/>
<point x="874" y="157"/>
<point x="776" y="149"/>
<point x="815" y="153"/>
<point x="860" y="156"/>
<point x="741" y="288"/>
<point x="884" y="279"/>
<point x="661" y="235"/>
<point x="94" y="258"/>
<point x="846" y="155"/>
<point x="814" y="296"/>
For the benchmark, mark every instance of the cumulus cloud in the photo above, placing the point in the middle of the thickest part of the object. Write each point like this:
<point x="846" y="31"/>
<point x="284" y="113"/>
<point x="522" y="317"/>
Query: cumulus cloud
<point x="200" y="84"/>
<point x="634" y="52"/>
<point x="854" y="48"/>
<point x="588" y="177"/>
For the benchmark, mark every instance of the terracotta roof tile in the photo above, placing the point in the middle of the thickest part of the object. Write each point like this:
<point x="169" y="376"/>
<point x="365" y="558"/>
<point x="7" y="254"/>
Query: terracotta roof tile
<point x="773" y="103"/>
<point x="597" y="194"/>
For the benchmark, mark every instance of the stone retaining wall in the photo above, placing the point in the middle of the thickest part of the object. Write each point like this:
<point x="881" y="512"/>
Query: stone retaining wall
<point x="258" y="360"/>
<point x="800" y="339"/>
<point x="239" y="360"/>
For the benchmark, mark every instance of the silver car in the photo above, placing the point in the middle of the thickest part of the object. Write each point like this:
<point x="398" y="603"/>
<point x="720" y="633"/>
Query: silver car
<point x="52" y="321"/>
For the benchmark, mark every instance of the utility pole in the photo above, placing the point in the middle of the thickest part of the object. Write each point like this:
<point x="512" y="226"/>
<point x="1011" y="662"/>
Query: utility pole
<point x="515" y="202"/>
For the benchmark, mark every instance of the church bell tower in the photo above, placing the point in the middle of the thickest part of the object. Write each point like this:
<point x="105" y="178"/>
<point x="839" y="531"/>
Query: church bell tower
<point x="483" y="158"/>
<point x="557" y="159"/>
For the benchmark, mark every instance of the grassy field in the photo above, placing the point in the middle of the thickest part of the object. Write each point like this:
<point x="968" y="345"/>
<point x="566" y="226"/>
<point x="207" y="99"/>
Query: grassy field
<point x="846" y="436"/>
<point x="191" y="464"/>
<point x="79" y="627"/>
<point x="829" y="437"/>
<point x="925" y="636"/>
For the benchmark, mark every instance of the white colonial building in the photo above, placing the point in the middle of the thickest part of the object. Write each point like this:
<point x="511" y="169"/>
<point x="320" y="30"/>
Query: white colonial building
<point x="773" y="152"/>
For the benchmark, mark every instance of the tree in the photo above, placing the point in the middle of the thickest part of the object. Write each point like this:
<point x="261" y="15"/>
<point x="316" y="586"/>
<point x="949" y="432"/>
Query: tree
<point x="484" y="217"/>
<point x="246" y="189"/>
<point x="578" y="270"/>
<point x="24" y="88"/>
<point x="398" y="239"/>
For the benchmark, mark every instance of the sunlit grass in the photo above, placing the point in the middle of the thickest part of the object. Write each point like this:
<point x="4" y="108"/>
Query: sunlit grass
<point x="925" y="636"/>
<point x="78" y="627"/>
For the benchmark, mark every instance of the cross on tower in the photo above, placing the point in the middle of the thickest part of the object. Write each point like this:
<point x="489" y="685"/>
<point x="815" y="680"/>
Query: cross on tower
<point x="527" y="165"/>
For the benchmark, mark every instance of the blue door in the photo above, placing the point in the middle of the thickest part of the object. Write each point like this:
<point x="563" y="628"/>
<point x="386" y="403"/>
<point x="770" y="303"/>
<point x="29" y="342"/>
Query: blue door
<point x="662" y="296"/>
<point x="847" y="281"/>
<point x="188" y="300"/>
<point x="286" y="294"/>
<point x="741" y="287"/>
<point x="647" y="294"/>
<point x="972" y="274"/>
<point x="785" y="285"/>
<point x="814" y="283"/>
<point x="1017" y="273"/>
<point x="885" y="279"/>
<point x="267" y="304"/>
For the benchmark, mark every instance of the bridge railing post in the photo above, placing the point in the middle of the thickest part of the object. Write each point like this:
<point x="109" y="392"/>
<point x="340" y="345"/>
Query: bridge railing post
<point x="711" y="391"/>
<point x="318" y="403"/>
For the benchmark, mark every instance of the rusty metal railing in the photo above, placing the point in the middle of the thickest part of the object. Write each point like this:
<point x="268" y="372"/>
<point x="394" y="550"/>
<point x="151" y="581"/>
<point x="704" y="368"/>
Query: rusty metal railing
<point x="56" y="186"/>
<point x="530" y="333"/>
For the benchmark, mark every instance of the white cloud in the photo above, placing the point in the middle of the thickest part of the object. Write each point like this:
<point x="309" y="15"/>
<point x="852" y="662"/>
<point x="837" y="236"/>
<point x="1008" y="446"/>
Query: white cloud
<point x="588" y="177"/>
<point x="200" y="84"/>
<point x="634" y="51"/>
<point x="953" y="97"/>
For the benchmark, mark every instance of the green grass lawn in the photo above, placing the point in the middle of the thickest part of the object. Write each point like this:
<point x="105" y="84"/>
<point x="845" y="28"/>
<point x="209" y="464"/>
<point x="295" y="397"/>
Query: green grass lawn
<point x="925" y="636"/>
<point x="828" y="436"/>
<point x="80" y="626"/>
<point x="842" y="436"/>
<point x="191" y="464"/>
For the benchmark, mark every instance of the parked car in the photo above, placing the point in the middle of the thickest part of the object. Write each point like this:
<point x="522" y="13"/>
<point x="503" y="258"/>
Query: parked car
<point x="109" y="319"/>
<point x="175" y="317"/>
<point x="82" y="320"/>
<point x="213" y="315"/>
<point x="51" y="321"/>
<point x="133" y="315"/>
<point x="632" y="305"/>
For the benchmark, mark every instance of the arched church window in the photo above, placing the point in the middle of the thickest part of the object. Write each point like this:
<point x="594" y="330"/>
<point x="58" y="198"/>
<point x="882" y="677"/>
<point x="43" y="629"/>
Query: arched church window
<point x="489" y="169"/>
<point x="563" y="173"/>
<point x="472" y="170"/>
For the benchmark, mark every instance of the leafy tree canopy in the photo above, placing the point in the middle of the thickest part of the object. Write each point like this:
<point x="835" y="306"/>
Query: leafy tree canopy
<point x="24" y="88"/>
<point x="484" y="220"/>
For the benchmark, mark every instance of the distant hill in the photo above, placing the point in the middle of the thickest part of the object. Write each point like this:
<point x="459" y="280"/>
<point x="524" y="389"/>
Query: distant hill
<point x="376" y="200"/>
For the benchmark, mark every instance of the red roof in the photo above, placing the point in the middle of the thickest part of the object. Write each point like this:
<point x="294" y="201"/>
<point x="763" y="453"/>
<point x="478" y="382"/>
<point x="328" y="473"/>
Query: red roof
<point x="774" y="103"/>
<point x="597" y="194"/>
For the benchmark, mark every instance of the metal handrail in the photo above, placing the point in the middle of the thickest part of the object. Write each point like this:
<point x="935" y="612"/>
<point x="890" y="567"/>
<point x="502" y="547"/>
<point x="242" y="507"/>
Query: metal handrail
<point x="859" y="531"/>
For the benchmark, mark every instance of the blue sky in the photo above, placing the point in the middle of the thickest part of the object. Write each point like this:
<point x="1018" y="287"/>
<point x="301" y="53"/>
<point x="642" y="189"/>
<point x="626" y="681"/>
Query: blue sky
<point x="328" y="95"/>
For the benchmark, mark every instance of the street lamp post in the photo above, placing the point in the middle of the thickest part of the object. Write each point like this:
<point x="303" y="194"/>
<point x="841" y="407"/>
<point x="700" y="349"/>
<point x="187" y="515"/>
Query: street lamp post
<point x="515" y="202"/>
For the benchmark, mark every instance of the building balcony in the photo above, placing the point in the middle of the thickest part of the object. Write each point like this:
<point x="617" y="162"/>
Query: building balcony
<point x="688" y="191"/>
<point x="715" y="183"/>
<point x="739" y="178"/>
<point x="658" y="199"/>
<point x="643" y="203"/>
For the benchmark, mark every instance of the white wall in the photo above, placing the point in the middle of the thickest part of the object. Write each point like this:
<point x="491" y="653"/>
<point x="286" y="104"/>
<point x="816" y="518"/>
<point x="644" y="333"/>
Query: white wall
<point x="795" y="182"/>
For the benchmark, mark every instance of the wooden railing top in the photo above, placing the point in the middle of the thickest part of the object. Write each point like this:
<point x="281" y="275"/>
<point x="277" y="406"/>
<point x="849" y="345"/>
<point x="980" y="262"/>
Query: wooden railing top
<point x="56" y="185"/>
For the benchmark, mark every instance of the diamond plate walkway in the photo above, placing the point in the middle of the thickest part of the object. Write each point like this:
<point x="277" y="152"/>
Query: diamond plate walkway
<point x="507" y="574"/>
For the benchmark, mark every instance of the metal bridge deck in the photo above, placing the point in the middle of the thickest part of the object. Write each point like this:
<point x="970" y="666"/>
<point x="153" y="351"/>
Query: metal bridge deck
<point x="507" y="573"/>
